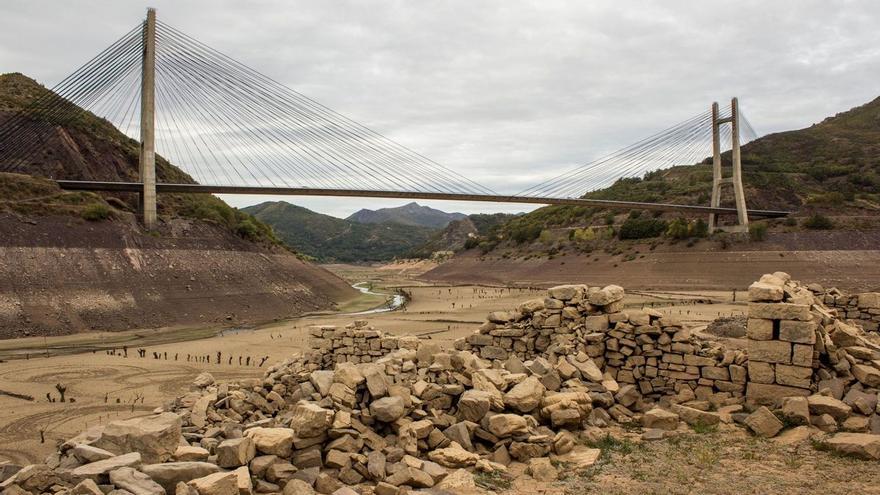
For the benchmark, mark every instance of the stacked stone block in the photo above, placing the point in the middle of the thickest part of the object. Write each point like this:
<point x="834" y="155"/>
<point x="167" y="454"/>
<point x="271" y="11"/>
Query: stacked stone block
<point x="590" y="329"/>
<point x="863" y="309"/>
<point x="781" y="339"/>
<point x="356" y="343"/>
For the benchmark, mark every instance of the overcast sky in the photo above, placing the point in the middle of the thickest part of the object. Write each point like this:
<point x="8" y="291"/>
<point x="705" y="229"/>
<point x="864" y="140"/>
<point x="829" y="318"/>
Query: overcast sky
<point x="504" y="92"/>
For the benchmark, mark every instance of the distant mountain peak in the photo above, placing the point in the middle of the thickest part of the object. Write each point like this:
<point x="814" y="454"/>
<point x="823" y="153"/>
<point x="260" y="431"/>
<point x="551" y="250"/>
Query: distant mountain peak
<point x="409" y="214"/>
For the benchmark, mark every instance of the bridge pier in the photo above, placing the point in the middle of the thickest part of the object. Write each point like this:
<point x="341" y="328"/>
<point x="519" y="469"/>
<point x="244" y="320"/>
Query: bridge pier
<point x="147" y="158"/>
<point x="735" y="179"/>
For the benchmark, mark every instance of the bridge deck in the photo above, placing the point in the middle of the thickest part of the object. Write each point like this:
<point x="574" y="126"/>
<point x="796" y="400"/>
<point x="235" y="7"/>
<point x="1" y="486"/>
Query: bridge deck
<point x="293" y="191"/>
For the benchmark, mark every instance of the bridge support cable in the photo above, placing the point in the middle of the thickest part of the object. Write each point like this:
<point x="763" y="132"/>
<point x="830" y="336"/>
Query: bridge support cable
<point x="320" y="133"/>
<point x="686" y="143"/>
<point x="96" y="84"/>
<point x="236" y="130"/>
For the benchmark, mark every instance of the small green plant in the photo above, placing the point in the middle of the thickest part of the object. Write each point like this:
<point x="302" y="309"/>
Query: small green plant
<point x="609" y="218"/>
<point x="817" y="221"/>
<point x="608" y="444"/>
<point x="758" y="231"/>
<point x="96" y="212"/>
<point x="493" y="481"/>
<point x="703" y="429"/>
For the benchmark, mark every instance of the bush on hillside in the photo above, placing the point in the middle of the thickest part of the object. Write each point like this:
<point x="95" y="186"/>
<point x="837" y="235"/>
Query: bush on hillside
<point x="525" y="233"/>
<point x="96" y="212"/>
<point x="818" y="222"/>
<point x="757" y="231"/>
<point x="642" y="228"/>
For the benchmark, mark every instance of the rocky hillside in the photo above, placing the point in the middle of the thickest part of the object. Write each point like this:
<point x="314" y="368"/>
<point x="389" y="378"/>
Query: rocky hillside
<point x="77" y="261"/>
<point x="460" y="234"/>
<point x="328" y="238"/>
<point x="81" y="146"/>
<point x="408" y="214"/>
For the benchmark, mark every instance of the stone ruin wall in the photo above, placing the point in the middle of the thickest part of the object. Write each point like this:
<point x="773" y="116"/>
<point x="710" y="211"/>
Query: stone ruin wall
<point x="586" y="331"/>
<point x="863" y="309"/>
<point x="798" y="345"/>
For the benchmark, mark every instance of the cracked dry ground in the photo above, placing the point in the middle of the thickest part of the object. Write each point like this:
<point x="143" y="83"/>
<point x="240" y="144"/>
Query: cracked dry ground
<point x="723" y="461"/>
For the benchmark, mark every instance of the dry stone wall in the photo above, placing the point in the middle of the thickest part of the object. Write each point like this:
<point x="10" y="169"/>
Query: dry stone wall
<point x="587" y="330"/>
<point x="356" y="343"/>
<point x="863" y="309"/>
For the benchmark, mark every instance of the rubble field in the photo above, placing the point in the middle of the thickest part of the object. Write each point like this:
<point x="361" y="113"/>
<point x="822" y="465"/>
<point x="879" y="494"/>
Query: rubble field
<point x="568" y="393"/>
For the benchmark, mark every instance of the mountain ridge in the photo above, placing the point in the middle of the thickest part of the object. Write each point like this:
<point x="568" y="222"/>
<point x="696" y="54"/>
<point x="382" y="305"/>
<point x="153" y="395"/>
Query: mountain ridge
<point x="328" y="238"/>
<point x="409" y="214"/>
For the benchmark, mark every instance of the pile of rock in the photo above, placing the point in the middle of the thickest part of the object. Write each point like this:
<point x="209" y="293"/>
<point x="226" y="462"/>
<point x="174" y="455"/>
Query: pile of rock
<point x="810" y="365"/>
<point x="863" y="309"/>
<point x="356" y="343"/>
<point x="412" y="415"/>
<point x="586" y="332"/>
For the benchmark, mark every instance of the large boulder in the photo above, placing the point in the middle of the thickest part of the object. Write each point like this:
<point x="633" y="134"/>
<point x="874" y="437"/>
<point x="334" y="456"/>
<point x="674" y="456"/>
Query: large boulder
<point x="388" y="409"/>
<point x="135" y="482"/>
<point x="235" y="452"/>
<point x="696" y="417"/>
<point x="858" y="444"/>
<point x="822" y="404"/>
<point x="660" y="418"/>
<point x="606" y="295"/>
<point x="526" y="395"/>
<point x="453" y="456"/>
<point x="97" y="469"/>
<point x="216" y="484"/>
<point x="274" y="441"/>
<point x="154" y="437"/>
<point x="169" y="474"/>
<point x="763" y="422"/>
<point x="310" y="420"/>
<point x="473" y="405"/>
<point x="507" y="425"/>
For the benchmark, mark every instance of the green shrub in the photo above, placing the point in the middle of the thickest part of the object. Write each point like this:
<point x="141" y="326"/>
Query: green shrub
<point x="818" y="222"/>
<point x="701" y="228"/>
<point x="757" y="231"/>
<point x="679" y="228"/>
<point x="609" y="218"/>
<point x="471" y="242"/>
<point x="96" y="212"/>
<point x="790" y="221"/>
<point x="642" y="228"/>
<point x="546" y="237"/>
<point x="247" y="229"/>
<point x="525" y="233"/>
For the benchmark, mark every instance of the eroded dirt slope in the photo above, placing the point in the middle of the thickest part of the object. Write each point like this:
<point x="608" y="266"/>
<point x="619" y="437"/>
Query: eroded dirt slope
<point x="61" y="274"/>
<point x="848" y="260"/>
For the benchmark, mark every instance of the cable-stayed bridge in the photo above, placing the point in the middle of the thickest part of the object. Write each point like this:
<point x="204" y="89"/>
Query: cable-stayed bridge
<point x="234" y="130"/>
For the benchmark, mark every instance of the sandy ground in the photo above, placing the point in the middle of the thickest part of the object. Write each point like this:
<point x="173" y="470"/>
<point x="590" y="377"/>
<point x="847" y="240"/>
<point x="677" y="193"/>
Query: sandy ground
<point x="107" y="386"/>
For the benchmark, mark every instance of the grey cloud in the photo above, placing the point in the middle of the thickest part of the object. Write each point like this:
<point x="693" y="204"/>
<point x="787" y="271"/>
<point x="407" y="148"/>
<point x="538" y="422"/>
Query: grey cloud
<point x="507" y="93"/>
